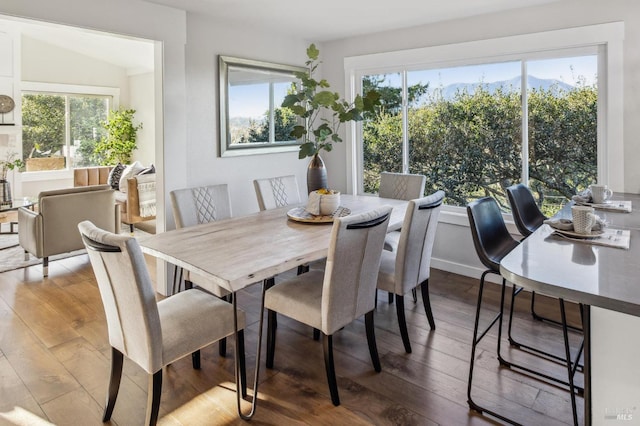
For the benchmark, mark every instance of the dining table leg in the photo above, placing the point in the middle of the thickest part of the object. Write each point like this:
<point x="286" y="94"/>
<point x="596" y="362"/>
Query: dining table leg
<point x="238" y="377"/>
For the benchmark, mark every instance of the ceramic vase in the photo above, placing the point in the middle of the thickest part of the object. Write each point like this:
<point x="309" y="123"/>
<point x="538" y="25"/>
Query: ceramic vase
<point x="5" y="192"/>
<point x="316" y="174"/>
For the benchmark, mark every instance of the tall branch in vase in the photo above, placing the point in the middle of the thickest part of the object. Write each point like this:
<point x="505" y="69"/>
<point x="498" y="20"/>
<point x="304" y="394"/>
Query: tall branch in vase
<point x="323" y="112"/>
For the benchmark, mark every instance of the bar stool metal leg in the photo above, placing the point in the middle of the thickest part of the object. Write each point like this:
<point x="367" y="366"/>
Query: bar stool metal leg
<point x="476" y="339"/>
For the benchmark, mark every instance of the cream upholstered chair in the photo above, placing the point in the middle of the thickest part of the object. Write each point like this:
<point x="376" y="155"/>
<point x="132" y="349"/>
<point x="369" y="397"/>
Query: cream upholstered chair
<point x="53" y="227"/>
<point x="409" y="265"/>
<point x="276" y="192"/>
<point x="151" y="334"/>
<point x="344" y="292"/>
<point x="400" y="186"/>
<point x="195" y="206"/>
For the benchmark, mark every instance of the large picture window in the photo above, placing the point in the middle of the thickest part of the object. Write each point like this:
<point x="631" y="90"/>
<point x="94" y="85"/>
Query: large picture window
<point x="60" y="129"/>
<point x="464" y="128"/>
<point x="476" y="118"/>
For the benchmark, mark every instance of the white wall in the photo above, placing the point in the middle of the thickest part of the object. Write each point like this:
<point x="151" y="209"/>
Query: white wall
<point x="206" y="39"/>
<point x="615" y="378"/>
<point x="141" y="98"/>
<point x="47" y="63"/>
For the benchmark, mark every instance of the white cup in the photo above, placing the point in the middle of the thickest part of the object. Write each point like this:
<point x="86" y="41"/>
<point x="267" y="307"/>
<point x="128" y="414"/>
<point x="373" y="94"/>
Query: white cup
<point x="584" y="219"/>
<point x="600" y="193"/>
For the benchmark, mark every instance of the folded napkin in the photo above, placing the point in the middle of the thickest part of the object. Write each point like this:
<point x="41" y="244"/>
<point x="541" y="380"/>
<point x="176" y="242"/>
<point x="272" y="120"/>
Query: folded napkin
<point x="583" y="197"/>
<point x="567" y="224"/>
<point x="313" y="205"/>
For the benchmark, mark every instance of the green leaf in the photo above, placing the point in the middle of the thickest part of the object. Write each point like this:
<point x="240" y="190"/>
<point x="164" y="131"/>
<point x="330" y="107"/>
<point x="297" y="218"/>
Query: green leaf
<point x="298" y="131"/>
<point x="313" y="52"/>
<point x="325" y="98"/>
<point x="307" y="150"/>
<point x="289" y="101"/>
<point x="298" y="110"/>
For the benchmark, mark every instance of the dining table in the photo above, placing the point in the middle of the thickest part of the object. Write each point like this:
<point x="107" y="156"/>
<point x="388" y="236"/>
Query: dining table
<point x="595" y="276"/>
<point x="238" y="252"/>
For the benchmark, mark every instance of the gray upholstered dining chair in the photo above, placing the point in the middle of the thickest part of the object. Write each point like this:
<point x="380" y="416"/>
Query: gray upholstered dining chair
<point x="152" y="334"/>
<point x="345" y="291"/>
<point x="409" y="265"/>
<point x="276" y="192"/>
<point x="195" y="206"/>
<point x="400" y="186"/>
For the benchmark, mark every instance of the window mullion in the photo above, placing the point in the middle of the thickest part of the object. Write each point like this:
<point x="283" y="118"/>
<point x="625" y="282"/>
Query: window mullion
<point x="524" y="86"/>
<point x="67" y="130"/>
<point x="405" y="123"/>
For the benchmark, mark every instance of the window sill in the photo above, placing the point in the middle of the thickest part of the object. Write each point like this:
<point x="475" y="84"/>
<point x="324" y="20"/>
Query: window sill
<point x="458" y="216"/>
<point x="46" y="175"/>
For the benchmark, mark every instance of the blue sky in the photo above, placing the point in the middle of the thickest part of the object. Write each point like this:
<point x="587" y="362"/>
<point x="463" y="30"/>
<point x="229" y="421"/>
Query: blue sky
<point x="253" y="100"/>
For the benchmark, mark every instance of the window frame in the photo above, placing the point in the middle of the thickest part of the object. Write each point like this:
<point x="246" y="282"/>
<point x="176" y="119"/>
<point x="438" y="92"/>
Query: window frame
<point x="606" y="38"/>
<point x="65" y="90"/>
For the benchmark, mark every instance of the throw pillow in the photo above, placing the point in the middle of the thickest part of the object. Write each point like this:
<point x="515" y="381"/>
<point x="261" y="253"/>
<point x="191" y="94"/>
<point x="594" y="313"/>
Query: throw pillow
<point x="129" y="172"/>
<point x="114" y="176"/>
<point x="148" y="171"/>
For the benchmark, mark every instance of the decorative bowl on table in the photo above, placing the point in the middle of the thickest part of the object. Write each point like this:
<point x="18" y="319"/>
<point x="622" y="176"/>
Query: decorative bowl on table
<point x="323" y="202"/>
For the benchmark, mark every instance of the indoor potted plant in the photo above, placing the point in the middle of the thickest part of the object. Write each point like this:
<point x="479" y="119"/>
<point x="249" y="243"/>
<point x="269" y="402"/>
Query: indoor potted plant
<point x="120" y="142"/>
<point x="323" y="111"/>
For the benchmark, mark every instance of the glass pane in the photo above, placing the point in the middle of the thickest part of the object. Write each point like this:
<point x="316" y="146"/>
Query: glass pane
<point x="255" y="114"/>
<point x="562" y="98"/>
<point x="465" y="130"/>
<point x="86" y="113"/>
<point x="43" y="131"/>
<point x="382" y="130"/>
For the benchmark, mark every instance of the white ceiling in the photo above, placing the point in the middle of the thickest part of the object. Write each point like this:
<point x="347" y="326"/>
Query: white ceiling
<point x="325" y="20"/>
<point x="135" y="55"/>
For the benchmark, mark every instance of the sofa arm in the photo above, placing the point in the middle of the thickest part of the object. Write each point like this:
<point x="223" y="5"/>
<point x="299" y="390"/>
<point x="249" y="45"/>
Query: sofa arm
<point x="30" y="231"/>
<point x="118" y="209"/>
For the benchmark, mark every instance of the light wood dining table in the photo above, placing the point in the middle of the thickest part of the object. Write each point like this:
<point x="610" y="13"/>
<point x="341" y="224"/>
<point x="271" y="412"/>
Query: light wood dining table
<point x="604" y="277"/>
<point x="241" y="251"/>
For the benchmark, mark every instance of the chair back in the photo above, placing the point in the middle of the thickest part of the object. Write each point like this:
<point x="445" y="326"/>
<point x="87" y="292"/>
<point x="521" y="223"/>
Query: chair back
<point x="413" y="260"/>
<point x="401" y="186"/>
<point x="490" y="235"/>
<point x="203" y="204"/>
<point x="277" y="192"/>
<point x="127" y="295"/>
<point x="526" y="213"/>
<point x="351" y="271"/>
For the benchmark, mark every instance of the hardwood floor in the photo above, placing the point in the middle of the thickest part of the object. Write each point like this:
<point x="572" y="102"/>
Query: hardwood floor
<point x="54" y="363"/>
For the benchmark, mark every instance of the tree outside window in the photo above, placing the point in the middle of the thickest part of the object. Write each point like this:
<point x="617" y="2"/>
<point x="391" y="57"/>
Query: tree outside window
<point x="62" y="129"/>
<point x="467" y="137"/>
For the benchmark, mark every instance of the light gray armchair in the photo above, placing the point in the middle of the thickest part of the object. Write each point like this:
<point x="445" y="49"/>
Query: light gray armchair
<point x="53" y="227"/>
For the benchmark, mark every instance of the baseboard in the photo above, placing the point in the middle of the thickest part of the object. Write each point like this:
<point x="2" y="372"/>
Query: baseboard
<point x="462" y="269"/>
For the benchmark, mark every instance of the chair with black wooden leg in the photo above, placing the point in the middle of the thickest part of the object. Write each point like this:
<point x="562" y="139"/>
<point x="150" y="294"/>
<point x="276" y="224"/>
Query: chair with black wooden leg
<point x="195" y="206"/>
<point x="334" y="298"/>
<point x="400" y="186"/>
<point x="493" y="242"/>
<point x="151" y="334"/>
<point x="409" y="265"/>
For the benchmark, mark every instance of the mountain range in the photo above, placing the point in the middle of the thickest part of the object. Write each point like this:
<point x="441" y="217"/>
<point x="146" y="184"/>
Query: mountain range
<point x="511" y="85"/>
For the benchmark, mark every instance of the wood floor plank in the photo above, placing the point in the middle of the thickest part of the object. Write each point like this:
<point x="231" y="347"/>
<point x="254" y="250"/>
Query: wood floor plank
<point x="54" y="362"/>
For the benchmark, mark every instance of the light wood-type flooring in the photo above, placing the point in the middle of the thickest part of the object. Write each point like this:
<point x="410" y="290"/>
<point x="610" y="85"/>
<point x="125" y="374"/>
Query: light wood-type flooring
<point x="54" y="363"/>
